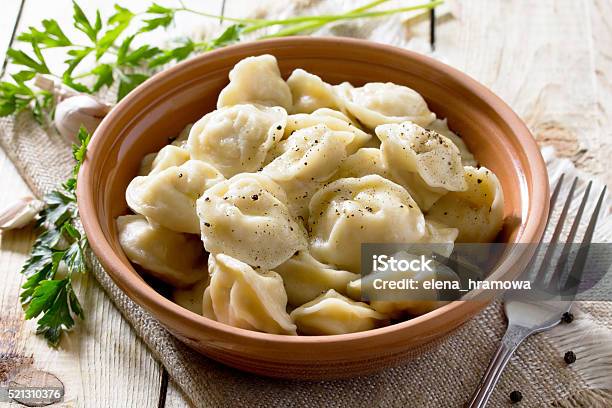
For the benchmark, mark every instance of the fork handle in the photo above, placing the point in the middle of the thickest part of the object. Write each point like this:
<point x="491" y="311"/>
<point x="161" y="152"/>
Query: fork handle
<point x="512" y="338"/>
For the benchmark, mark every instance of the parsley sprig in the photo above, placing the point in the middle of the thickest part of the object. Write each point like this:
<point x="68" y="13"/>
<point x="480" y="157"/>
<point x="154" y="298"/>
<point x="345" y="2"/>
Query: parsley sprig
<point x="109" y="48"/>
<point x="57" y="255"/>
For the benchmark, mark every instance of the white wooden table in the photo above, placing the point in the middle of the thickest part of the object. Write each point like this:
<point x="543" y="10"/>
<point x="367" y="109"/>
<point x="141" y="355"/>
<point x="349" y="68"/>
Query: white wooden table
<point x="551" y="60"/>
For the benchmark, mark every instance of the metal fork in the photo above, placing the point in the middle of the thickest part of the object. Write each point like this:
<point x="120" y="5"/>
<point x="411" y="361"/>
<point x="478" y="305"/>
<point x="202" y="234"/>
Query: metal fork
<point x="528" y="316"/>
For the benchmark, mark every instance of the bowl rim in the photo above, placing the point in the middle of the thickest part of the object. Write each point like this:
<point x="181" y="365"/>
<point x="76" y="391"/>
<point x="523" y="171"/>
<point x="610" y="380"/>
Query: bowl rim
<point x="144" y="295"/>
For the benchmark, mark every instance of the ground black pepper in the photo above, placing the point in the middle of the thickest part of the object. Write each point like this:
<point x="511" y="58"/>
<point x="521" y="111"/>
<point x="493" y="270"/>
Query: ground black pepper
<point x="567" y="317"/>
<point x="570" y="357"/>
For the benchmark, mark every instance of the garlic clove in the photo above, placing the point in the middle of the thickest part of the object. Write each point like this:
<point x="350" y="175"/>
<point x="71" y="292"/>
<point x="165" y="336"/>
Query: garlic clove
<point x="20" y="213"/>
<point x="77" y="111"/>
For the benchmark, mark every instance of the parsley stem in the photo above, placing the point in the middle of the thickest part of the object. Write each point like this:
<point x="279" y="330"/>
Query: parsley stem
<point x="235" y="20"/>
<point x="315" y="21"/>
<point x="349" y="16"/>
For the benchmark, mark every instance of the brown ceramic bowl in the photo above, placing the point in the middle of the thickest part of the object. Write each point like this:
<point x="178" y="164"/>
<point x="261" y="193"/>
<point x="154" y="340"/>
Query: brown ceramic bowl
<point x="163" y="105"/>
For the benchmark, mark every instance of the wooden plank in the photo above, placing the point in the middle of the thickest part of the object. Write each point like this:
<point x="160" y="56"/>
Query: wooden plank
<point x="175" y="398"/>
<point x="102" y="359"/>
<point x="8" y="20"/>
<point x="600" y="12"/>
<point x="538" y="57"/>
<point x="102" y="363"/>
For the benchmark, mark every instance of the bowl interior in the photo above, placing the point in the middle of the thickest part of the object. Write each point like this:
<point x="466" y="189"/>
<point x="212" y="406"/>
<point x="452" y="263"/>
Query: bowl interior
<point x="159" y="109"/>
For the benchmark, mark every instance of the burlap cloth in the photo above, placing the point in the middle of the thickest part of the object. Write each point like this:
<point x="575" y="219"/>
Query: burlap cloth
<point x="444" y="377"/>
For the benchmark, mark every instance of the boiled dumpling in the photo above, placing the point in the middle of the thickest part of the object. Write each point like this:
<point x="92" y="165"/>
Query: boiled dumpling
<point x="397" y="302"/>
<point x="256" y="80"/>
<point x="305" y="278"/>
<point x="146" y="164"/>
<point x="332" y="119"/>
<point x="363" y="162"/>
<point x="191" y="298"/>
<point x="172" y="257"/>
<point x="441" y="126"/>
<point x="310" y="158"/>
<point x="168" y="156"/>
<point x="350" y="211"/>
<point x="310" y="92"/>
<point x="242" y="297"/>
<point x="181" y="140"/>
<point x="427" y="164"/>
<point x="169" y="197"/>
<point x="246" y="217"/>
<point x="439" y="237"/>
<point x="236" y="139"/>
<point x="378" y="103"/>
<point x="331" y="313"/>
<point x="478" y="212"/>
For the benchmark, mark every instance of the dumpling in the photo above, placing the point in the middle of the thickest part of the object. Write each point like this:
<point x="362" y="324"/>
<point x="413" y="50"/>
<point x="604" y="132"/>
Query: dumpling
<point x="181" y="140"/>
<point x="398" y="302"/>
<point x="246" y="217"/>
<point x="310" y="158"/>
<point x="378" y="103"/>
<point x="332" y="313"/>
<point x="168" y="156"/>
<point x="363" y="162"/>
<point x="245" y="298"/>
<point x="439" y="237"/>
<point x="350" y="211"/>
<point x="236" y="139"/>
<point x="427" y="164"/>
<point x="175" y="258"/>
<point x="191" y="298"/>
<point x="332" y="119"/>
<point x="305" y="278"/>
<point x="146" y="164"/>
<point x="310" y="92"/>
<point x="477" y="213"/>
<point x="441" y="126"/>
<point x="256" y="80"/>
<point x="169" y="197"/>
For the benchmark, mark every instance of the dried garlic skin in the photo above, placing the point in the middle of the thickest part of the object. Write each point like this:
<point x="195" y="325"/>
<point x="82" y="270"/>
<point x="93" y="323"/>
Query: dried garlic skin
<point x="20" y="213"/>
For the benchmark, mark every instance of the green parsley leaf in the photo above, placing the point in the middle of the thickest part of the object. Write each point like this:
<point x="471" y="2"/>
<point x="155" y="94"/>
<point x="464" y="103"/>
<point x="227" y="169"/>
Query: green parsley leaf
<point x="82" y="23"/>
<point x="23" y="76"/>
<point x="175" y="54"/>
<point x="21" y="58"/>
<point x="79" y="150"/>
<point x="164" y="19"/>
<point x="104" y="74"/>
<point x="231" y="35"/>
<point x="58" y="297"/>
<point x="52" y="36"/>
<point x="128" y="83"/>
<point x="136" y="57"/>
<point x="119" y="21"/>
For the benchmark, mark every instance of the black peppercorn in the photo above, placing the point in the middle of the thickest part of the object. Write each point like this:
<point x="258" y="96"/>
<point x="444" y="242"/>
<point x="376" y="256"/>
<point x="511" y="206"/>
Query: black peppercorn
<point x="570" y="357"/>
<point x="516" y="396"/>
<point x="567" y="317"/>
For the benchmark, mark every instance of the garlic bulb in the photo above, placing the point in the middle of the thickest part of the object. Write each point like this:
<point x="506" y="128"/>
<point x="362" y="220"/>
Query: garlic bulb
<point x="76" y="111"/>
<point x="20" y="213"/>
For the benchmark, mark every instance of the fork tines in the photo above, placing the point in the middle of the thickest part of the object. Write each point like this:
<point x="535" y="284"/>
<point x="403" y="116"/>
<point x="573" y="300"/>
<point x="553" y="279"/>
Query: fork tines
<point x="550" y="278"/>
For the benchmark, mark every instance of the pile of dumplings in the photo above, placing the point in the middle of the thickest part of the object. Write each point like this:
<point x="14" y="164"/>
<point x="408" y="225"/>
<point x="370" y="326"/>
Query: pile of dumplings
<point x="256" y="213"/>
